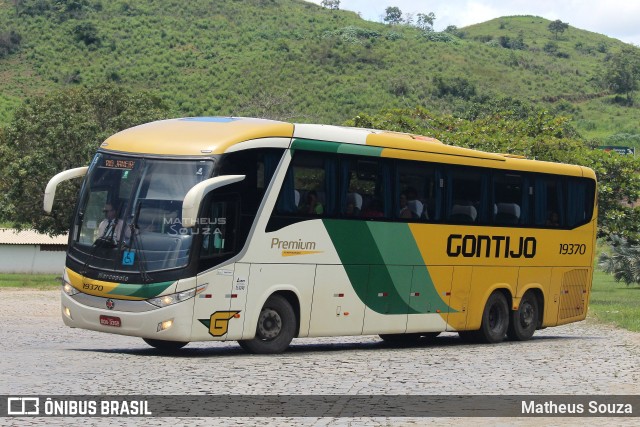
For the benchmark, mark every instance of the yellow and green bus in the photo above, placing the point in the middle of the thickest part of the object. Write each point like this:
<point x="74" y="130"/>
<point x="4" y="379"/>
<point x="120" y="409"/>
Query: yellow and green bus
<point x="225" y="228"/>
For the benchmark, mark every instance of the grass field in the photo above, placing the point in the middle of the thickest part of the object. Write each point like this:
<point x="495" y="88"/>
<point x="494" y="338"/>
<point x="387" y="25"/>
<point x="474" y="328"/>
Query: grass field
<point x="32" y="281"/>
<point x="614" y="302"/>
<point x="611" y="302"/>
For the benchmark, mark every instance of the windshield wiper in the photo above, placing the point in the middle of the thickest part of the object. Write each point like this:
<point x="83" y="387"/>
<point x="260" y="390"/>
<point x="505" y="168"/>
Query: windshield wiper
<point x="136" y="242"/>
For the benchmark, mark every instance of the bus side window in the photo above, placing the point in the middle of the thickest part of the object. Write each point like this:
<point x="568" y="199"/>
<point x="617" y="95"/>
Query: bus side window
<point x="219" y="226"/>
<point x="580" y="195"/>
<point x="415" y="191"/>
<point x="309" y="186"/>
<point x="549" y="201"/>
<point x="366" y="182"/>
<point x="467" y="195"/>
<point x="509" y="201"/>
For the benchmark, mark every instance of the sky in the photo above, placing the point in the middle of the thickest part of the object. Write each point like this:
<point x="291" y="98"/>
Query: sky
<point x="619" y="19"/>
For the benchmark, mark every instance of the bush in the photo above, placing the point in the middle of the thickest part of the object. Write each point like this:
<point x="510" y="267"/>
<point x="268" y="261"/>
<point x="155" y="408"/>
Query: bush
<point x="9" y="43"/>
<point x="456" y="86"/>
<point x="623" y="262"/>
<point x="440" y="37"/>
<point x="352" y="34"/>
<point x="86" y="33"/>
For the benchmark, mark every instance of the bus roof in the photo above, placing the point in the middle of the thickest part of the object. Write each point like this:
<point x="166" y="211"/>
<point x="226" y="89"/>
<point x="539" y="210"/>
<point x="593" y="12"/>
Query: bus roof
<point x="197" y="136"/>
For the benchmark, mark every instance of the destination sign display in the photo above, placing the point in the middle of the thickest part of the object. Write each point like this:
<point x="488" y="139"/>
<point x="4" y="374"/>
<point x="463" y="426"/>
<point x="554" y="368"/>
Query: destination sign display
<point x="119" y="164"/>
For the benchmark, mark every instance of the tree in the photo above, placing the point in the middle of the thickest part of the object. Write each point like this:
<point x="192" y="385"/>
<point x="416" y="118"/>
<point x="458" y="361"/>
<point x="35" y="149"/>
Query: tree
<point x="425" y="22"/>
<point x="623" y="262"/>
<point x="393" y="15"/>
<point x="86" y="33"/>
<point x="623" y="74"/>
<point x="331" y="4"/>
<point x="558" y="27"/>
<point x="60" y="131"/>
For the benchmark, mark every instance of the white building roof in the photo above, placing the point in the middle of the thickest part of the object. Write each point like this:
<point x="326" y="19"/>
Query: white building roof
<point x="9" y="236"/>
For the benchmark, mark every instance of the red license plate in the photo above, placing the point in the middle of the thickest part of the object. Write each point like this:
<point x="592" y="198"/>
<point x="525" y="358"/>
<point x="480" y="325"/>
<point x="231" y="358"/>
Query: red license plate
<point x="110" y="321"/>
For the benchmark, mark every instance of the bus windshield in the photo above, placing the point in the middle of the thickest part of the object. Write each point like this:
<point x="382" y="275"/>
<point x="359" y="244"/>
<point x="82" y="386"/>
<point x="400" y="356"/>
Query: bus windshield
<point x="129" y="213"/>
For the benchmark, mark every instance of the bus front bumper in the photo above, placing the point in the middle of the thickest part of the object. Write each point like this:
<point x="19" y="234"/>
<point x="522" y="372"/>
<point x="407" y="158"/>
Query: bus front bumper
<point x="171" y="323"/>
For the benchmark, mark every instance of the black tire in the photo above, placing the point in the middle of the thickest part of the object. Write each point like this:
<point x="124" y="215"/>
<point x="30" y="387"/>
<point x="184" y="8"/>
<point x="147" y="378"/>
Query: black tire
<point x="495" y="321"/>
<point x="524" y="320"/>
<point x="275" y="329"/>
<point x="165" y="345"/>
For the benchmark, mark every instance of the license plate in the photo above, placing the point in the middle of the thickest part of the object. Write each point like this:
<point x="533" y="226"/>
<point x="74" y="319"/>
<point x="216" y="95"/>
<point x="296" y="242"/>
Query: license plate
<point x="110" y="321"/>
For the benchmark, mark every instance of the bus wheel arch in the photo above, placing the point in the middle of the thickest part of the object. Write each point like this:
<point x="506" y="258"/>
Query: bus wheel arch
<point x="277" y="324"/>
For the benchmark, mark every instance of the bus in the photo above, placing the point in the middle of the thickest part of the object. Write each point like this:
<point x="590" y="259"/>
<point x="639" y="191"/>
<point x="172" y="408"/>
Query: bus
<point x="260" y="231"/>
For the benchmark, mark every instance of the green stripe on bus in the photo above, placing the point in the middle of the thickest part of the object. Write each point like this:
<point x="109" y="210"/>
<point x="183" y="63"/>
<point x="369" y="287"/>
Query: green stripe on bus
<point x="148" y="290"/>
<point x="372" y="264"/>
<point x="336" y="147"/>
<point x="398" y="246"/>
<point x="360" y="150"/>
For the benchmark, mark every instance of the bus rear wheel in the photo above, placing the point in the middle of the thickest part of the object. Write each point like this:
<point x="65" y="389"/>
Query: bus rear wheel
<point x="165" y="345"/>
<point x="524" y="320"/>
<point x="275" y="330"/>
<point x="495" y="321"/>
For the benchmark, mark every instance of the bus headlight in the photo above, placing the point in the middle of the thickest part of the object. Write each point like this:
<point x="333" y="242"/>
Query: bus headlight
<point x="166" y="300"/>
<point x="69" y="290"/>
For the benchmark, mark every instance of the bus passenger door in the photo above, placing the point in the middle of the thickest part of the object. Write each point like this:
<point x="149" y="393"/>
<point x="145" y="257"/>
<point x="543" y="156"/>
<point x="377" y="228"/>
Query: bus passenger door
<point x="387" y="299"/>
<point x="336" y="308"/>
<point x="459" y="298"/>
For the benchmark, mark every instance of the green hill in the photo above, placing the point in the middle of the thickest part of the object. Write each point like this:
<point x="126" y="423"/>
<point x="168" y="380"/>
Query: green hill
<point x="290" y="59"/>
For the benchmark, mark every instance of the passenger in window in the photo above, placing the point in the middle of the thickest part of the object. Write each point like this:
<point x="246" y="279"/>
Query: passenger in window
<point x="554" y="220"/>
<point x="405" y="212"/>
<point x="354" y="204"/>
<point x="312" y="206"/>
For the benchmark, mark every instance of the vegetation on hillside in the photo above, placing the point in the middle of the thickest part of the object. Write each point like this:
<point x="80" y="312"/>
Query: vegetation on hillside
<point x="289" y="59"/>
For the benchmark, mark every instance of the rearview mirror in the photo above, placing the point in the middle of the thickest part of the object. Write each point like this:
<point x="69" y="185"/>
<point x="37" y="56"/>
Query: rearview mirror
<point x="50" y="191"/>
<point x="191" y="203"/>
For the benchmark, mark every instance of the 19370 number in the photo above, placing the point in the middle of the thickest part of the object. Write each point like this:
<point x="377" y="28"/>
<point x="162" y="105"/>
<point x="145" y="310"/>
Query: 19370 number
<point x="572" y="249"/>
<point x="92" y="287"/>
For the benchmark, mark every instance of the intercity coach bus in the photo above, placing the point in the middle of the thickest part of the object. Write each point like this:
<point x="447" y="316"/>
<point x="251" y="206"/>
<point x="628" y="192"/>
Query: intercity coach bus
<point x="225" y="228"/>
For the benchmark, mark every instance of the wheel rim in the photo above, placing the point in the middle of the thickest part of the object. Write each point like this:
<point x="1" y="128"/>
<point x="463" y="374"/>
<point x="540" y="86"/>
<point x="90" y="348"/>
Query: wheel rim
<point x="269" y="324"/>
<point x="526" y="315"/>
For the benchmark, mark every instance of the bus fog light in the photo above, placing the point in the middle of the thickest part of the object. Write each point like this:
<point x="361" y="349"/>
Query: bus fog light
<point x="67" y="312"/>
<point x="165" y="325"/>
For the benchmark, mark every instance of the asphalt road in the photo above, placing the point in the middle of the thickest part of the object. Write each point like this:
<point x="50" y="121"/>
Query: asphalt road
<point x="39" y="355"/>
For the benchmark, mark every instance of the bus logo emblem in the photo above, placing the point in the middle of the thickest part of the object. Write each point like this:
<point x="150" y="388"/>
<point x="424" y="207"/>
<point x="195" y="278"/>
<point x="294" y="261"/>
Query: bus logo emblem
<point x="110" y="304"/>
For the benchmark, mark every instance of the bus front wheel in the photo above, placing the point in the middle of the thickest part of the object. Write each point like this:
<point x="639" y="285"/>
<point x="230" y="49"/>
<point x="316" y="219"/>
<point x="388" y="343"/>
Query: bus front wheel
<point x="165" y="345"/>
<point x="275" y="330"/>
<point x="524" y="320"/>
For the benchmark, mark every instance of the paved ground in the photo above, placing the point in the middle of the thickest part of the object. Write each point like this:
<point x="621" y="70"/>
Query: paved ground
<point x="39" y="355"/>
